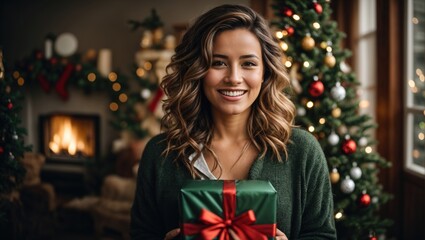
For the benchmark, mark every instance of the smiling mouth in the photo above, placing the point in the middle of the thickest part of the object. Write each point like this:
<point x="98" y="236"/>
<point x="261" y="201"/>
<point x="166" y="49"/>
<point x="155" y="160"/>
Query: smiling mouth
<point x="228" y="93"/>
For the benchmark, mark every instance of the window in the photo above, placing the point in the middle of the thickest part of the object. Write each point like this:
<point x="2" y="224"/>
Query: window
<point x="415" y="87"/>
<point x="366" y="58"/>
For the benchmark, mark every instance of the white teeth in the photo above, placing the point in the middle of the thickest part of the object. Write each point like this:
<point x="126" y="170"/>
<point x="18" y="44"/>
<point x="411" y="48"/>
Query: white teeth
<point x="232" y="93"/>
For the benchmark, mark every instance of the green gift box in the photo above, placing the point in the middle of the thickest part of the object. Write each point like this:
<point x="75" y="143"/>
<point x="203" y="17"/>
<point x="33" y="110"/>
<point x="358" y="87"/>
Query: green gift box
<point x="216" y="209"/>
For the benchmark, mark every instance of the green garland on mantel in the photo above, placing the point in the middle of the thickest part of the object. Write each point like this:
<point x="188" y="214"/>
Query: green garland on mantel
<point x="57" y="73"/>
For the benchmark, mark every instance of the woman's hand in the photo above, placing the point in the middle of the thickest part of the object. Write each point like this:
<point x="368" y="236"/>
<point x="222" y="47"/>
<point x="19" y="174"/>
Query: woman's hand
<point x="280" y="235"/>
<point x="172" y="234"/>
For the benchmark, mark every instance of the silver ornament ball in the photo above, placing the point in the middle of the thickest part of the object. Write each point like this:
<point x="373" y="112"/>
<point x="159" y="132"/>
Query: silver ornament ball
<point x="333" y="139"/>
<point x="347" y="185"/>
<point x="338" y="92"/>
<point x="356" y="172"/>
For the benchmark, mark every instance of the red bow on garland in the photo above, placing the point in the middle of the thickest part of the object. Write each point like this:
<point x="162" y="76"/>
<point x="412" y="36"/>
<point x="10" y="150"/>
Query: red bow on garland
<point x="214" y="226"/>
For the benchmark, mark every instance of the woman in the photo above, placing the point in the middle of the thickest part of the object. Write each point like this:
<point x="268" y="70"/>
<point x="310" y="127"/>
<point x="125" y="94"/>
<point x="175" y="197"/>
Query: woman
<point x="226" y="117"/>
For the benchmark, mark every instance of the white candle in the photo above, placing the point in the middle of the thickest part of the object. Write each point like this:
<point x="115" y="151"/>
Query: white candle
<point x="104" y="62"/>
<point x="48" y="48"/>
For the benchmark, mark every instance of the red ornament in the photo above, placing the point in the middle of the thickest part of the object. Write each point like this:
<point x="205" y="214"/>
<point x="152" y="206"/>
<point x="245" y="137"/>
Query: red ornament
<point x="349" y="146"/>
<point x="364" y="200"/>
<point x="373" y="238"/>
<point x="9" y="105"/>
<point x="316" y="88"/>
<point x="318" y="8"/>
<point x="1" y="150"/>
<point x="287" y="11"/>
<point x="290" y="30"/>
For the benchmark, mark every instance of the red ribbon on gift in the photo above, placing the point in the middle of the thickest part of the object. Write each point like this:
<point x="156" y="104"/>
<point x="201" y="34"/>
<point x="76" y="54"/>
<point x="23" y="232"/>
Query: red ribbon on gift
<point x="214" y="226"/>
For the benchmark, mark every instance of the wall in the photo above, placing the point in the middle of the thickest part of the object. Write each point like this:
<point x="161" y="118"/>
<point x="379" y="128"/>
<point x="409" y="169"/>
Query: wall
<point x="97" y="24"/>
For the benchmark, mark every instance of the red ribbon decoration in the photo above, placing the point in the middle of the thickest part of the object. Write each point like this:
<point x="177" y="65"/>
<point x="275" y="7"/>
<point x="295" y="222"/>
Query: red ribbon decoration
<point x="215" y="226"/>
<point x="156" y="99"/>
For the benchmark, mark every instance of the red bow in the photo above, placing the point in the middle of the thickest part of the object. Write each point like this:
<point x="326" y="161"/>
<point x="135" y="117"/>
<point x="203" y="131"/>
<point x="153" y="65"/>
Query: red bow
<point x="215" y="226"/>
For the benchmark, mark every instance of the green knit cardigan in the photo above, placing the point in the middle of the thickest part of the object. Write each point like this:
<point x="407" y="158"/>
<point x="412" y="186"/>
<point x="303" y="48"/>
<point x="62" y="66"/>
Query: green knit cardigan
<point x="305" y="203"/>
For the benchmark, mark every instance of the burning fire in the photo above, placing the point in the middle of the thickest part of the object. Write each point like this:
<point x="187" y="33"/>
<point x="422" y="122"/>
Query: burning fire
<point x="66" y="138"/>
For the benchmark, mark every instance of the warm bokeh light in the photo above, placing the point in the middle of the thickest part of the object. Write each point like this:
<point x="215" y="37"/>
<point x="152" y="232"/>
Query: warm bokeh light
<point x="284" y="46"/>
<point x="311" y="129"/>
<point x="316" y="25"/>
<point x="21" y="81"/>
<point x="338" y="215"/>
<point x="91" y="77"/>
<point x="123" y="97"/>
<point x="322" y="120"/>
<point x="306" y="64"/>
<point x="112" y="76"/>
<point x="147" y="65"/>
<point x="116" y="87"/>
<point x="113" y="106"/>
<point x="364" y="104"/>
<point x="288" y="64"/>
<point x="279" y="34"/>
<point x="416" y="154"/>
<point x="310" y="104"/>
<point x="140" y="72"/>
<point x="16" y="74"/>
<point x="296" y="17"/>
<point x="368" y="149"/>
<point x="415" y="20"/>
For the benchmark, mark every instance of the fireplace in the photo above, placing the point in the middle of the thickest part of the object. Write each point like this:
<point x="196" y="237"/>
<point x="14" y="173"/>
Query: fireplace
<point x="69" y="138"/>
<point x="69" y="142"/>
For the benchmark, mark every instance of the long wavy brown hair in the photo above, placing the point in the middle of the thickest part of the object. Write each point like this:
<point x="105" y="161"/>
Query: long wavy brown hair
<point x="188" y="123"/>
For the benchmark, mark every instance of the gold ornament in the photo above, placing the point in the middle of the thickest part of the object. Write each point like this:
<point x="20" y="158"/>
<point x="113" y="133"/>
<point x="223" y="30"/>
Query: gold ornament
<point x="329" y="60"/>
<point x="336" y="112"/>
<point x="334" y="176"/>
<point x="307" y="43"/>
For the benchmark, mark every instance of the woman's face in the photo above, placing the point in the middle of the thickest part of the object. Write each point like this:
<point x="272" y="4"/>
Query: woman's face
<point x="233" y="81"/>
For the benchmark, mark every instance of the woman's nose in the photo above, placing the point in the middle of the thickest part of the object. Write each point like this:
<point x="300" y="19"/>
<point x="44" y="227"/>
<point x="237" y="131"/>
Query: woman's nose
<point x="233" y="76"/>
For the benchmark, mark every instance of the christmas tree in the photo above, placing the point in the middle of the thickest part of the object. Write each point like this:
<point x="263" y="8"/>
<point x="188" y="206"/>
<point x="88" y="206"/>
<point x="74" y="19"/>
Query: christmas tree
<point x="324" y="91"/>
<point x="12" y="146"/>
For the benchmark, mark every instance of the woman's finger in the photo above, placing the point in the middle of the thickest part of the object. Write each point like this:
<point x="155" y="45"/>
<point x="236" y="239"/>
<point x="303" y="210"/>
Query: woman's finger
<point x="280" y="235"/>
<point x="172" y="234"/>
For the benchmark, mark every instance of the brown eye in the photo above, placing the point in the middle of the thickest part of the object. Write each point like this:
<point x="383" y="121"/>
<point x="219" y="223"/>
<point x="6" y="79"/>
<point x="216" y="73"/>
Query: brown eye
<point x="249" y="64"/>
<point x="218" y="64"/>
